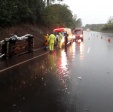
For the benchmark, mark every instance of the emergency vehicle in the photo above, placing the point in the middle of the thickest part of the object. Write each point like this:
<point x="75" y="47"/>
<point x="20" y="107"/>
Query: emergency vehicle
<point x="78" y="34"/>
<point x="62" y="31"/>
<point x="15" y="45"/>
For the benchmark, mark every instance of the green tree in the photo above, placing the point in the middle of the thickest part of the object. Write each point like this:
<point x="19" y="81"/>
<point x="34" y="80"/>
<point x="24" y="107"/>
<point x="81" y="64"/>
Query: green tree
<point x="108" y="27"/>
<point x="110" y="20"/>
<point x="20" y="11"/>
<point x="58" y="15"/>
<point x="78" y="22"/>
<point x="14" y="12"/>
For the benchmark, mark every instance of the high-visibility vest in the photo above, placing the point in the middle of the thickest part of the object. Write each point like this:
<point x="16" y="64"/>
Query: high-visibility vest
<point x="52" y="38"/>
<point x="60" y="37"/>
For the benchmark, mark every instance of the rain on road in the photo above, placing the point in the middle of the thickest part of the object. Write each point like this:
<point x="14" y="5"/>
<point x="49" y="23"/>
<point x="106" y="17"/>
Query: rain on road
<point x="78" y="80"/>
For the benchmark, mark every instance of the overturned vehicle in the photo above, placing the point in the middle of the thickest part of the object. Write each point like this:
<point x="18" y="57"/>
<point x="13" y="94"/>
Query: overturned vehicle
<point x="15" y="45"/>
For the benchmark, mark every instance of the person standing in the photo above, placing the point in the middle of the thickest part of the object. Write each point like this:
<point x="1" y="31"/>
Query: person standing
<point x="57" y="36"/>
<point x="51" y="41"/>
<point x="60" y="40"/>
<point x="46" y="42"/>
<point x="66" y="40"/>
<point x="46" y="37"/>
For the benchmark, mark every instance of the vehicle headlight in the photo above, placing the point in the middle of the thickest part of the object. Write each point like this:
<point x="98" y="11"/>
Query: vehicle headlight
<point x="80" y="35"/>
<point x="73" y="36"/>
<point x="62" y="40"/>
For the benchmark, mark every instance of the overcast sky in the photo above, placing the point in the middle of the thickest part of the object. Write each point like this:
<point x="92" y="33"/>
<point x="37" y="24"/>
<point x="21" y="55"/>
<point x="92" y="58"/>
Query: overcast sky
<point x="91" y="11"/>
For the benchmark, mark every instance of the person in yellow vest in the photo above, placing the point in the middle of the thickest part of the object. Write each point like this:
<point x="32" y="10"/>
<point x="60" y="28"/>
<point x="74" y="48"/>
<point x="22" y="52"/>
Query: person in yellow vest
<point x="60" y="40"/>
<point x="51" y="41"/>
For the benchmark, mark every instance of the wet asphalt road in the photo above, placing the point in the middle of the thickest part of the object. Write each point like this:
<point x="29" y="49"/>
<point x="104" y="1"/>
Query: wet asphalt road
<point x="78" y="80"/>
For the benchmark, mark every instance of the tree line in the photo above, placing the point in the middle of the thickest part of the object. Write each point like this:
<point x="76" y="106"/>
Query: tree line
<point x="14" y="12"/>
<point x="107" y="27"/>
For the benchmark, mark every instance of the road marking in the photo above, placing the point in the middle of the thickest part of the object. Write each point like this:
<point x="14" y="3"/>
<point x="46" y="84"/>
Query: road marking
<point x="88" y="50"/>
<point x="22" y="62"/>
<point x="38" y="49"/>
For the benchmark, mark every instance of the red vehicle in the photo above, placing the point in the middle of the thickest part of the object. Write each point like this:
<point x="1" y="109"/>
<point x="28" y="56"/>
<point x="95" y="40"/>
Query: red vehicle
<point x="58" y="30"/>
<point x="62" y="31"/>
<point x="78" y="34"/>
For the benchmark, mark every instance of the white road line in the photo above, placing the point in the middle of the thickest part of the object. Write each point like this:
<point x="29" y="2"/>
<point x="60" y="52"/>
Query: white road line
<point x="88" y="50"/>
<point x="22" y="62"/>
<point x="38" y="49"/>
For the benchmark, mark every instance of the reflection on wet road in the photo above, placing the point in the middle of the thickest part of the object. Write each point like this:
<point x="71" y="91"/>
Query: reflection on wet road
<point x="76" y="80"/>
